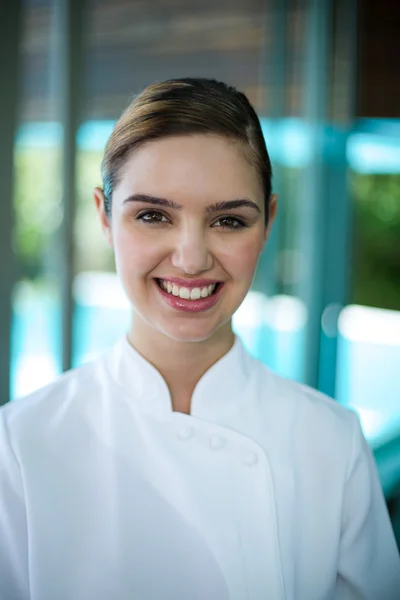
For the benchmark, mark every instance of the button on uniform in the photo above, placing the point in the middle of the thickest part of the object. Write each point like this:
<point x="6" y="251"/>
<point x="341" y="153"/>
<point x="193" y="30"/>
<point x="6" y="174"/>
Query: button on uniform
<point x="217" y="442"/>
<point x="185" y="433"/>
<point x="250" y="459"/>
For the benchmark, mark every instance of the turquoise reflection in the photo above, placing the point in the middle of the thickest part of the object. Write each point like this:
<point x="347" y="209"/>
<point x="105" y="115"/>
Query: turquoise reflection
<point x="368" y="368"/>
<point x="273" y="330"/>
<point x="372" y="146"/>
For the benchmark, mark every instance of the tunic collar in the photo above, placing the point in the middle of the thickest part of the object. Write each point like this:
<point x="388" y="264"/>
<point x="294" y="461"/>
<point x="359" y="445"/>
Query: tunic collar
<point x="220" y="391"/>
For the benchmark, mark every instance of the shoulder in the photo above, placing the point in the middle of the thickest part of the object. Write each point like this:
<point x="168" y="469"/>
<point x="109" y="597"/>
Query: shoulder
<point x="303" y="414"/>
<point x="299" y="397"/>
<point x="53" y="400"/>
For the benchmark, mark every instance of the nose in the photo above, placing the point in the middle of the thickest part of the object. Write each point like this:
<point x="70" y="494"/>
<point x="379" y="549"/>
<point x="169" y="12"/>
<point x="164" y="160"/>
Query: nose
<point x="191" y="253"/>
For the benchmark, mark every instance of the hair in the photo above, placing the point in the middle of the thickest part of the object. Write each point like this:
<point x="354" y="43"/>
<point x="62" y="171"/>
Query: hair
<point x="184" y="107"/>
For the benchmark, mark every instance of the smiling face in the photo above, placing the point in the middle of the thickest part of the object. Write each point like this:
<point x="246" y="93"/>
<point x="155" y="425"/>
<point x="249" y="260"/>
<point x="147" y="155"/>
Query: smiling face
<point x="187" y="229"/>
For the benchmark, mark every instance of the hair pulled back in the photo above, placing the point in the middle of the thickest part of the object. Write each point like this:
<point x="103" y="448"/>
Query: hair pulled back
<point x="184" y="107"/>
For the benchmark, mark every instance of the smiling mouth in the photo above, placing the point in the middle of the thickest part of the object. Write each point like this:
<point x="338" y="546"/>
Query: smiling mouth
<point x="197" y="293"/>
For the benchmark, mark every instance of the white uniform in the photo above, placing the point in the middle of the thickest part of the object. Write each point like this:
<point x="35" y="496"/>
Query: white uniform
<point x="267" y="491"/>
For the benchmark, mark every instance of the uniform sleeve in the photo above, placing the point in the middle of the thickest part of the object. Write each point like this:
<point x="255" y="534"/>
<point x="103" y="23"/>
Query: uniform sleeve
<point x="13" y="529"/>
<point x="369" y="562"/>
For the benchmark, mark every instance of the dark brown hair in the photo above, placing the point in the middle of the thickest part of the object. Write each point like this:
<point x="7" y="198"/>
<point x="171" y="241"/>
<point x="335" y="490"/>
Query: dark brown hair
<point x="184" y="107"/>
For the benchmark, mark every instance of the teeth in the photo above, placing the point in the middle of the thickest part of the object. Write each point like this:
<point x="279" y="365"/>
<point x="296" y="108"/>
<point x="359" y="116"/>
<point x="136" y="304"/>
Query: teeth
<point x="195" y="294"/>
<point x="186" y="293"/>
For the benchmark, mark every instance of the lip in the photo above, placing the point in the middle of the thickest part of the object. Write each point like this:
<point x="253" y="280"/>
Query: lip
<point x="190" y="283"/>
<point x="190" y="306"/>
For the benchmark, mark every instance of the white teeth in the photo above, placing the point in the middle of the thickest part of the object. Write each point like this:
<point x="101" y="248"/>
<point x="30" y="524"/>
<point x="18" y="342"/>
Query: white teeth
<point x="187" y="293"/>
<point x="195" y="294"/>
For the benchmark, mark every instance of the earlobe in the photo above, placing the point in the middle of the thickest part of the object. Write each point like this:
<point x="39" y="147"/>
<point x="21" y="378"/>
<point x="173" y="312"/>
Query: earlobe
<point x="105" y="223"/>
<point x="273" y="207"/>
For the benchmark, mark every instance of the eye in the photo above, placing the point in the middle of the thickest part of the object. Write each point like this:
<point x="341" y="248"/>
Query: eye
<point x="230" y="223"/>
<point x="152" y="217"/>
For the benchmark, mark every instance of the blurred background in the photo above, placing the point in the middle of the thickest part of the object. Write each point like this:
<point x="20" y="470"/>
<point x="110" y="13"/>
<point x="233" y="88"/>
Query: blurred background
<point x="324" y="78"/>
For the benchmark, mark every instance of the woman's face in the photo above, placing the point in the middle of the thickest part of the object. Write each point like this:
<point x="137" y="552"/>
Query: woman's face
<point x="187" y="229"/>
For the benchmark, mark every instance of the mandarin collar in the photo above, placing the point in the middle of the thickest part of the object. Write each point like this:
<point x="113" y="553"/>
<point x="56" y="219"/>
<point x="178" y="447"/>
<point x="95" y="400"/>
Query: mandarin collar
<point x="220" y="391"/>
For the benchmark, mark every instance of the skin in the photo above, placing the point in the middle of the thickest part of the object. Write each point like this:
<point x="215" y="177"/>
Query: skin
<point x="190" y="242"/>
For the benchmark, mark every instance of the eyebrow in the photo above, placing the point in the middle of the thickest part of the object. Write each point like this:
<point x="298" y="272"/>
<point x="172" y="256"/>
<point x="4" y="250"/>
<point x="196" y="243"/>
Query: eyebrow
<point x="212" y="208"/>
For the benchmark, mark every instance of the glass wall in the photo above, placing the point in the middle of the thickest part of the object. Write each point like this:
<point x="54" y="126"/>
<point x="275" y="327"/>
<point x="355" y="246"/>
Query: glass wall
<point x="36" y="327"/>
<point x="369" y="329"/>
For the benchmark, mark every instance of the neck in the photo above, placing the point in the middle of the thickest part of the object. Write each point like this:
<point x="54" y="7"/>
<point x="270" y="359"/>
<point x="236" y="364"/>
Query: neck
<point x="181" y="364"/>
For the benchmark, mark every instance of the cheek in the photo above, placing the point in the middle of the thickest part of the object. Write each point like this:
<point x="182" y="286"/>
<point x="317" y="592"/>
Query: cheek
<point x="241" y="260"/>
<point x="135" y="253"/>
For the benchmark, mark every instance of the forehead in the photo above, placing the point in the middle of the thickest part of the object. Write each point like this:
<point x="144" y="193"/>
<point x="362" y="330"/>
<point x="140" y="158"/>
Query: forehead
<point x="205" y="167"/>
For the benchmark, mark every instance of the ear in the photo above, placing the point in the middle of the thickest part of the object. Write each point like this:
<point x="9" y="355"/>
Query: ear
<point x="105" y="221"/>
<point x="273" y="208"/>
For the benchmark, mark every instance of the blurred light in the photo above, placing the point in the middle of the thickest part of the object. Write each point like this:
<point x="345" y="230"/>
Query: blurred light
<point x="370" y="325"/>
<point x="99" y="289"/>
<point x="247" y="321"/>
<point x="39" y="135"/>
<point x="329" y="321"/>
<point x="33" y="371"/>
<point x="373" y="153"/>
<point x="285" y="313"/>
<point x="367" y="376"/>
<point x="93" y="135"/>
<point x="372" y="421"/>
<point x="288" y="141"/>
<point x="250" y="312"/>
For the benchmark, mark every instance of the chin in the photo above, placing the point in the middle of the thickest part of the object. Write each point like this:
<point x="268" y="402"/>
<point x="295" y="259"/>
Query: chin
<point x="190" y="332"/>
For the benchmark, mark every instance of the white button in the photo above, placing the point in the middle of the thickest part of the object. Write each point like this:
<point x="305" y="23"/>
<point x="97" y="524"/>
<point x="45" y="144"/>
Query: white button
<point x="185" y="433"/>
<point x="250" y="459"/>
<point x="217" y="442"/>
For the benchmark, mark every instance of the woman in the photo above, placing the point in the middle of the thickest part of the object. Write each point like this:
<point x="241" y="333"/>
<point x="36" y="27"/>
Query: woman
<point x="177" y="466"/>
